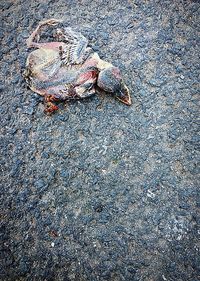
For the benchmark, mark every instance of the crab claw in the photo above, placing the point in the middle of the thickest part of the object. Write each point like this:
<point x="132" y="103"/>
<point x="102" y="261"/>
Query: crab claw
<point x="110" y="80"/>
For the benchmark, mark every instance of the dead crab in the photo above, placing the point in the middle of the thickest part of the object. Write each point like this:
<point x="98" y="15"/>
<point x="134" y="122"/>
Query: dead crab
<point x="68" y="69"/>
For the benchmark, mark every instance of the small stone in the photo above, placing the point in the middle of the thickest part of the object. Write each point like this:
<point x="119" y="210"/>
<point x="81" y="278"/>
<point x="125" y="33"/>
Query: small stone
<point x="40" y="183"/>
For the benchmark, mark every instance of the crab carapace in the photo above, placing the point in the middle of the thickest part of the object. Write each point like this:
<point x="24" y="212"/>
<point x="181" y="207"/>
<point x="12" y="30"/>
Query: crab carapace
<point x="67" y="69"/>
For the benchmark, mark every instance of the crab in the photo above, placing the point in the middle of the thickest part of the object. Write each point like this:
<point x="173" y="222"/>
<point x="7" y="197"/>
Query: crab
<point x="68" y="69"/>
